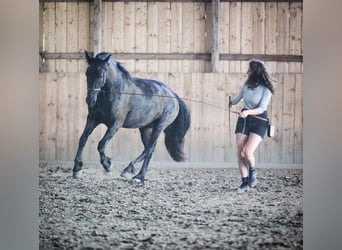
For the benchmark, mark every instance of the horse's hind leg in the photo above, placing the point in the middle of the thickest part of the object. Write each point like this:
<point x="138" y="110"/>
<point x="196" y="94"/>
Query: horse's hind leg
<point x="130" y="169"/>
<point x="90" y="125"/>
<point x="105" y="160"/>
<point x="145" y="134"/>
<point x="140" y="177"/>
<point x="149" y="149"/>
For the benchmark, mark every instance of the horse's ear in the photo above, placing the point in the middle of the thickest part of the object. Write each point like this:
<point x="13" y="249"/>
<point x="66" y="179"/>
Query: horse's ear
<point x="107" y="58"/>
<point x="88" y="57"/>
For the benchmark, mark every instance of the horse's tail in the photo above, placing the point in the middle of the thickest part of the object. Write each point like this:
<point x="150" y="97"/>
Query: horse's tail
<point x="175" y="132"/>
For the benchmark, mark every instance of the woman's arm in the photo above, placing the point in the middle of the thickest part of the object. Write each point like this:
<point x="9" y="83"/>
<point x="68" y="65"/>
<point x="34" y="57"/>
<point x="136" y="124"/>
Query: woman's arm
<point x="262" y="105"/>
<point x="238" y="98"/>
<point x="248" y="112"/>
<point x="265" y="100"/>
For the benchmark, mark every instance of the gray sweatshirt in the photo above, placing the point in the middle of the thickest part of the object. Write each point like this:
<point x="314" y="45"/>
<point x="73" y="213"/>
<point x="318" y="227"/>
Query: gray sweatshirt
<point x="258" y="97"/>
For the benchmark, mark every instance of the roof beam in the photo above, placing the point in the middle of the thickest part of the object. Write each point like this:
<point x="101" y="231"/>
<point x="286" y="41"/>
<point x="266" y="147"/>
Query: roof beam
<point x="179" y="56"/>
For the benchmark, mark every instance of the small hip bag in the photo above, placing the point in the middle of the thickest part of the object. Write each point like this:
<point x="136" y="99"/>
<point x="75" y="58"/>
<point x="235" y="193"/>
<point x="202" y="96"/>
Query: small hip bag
<point x="270" y="130"/>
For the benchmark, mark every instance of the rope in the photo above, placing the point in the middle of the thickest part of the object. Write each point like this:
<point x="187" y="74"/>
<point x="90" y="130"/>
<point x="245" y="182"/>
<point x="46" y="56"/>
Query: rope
<point x="186" y="99"/>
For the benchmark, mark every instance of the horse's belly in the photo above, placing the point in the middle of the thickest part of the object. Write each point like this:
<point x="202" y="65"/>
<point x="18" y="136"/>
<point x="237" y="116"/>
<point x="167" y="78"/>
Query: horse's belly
<point x="147" y="114"/>
<point x="137" y="121"/>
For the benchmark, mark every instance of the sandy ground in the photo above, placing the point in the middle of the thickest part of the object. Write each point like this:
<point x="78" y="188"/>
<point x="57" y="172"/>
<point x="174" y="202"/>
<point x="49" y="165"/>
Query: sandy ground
<point x="176" y="208"/>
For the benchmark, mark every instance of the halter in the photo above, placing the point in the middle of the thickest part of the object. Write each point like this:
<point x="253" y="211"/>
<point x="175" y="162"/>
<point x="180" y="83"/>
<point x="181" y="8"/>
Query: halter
<point x="94" y="90"/>
<point x="103" y="83"/>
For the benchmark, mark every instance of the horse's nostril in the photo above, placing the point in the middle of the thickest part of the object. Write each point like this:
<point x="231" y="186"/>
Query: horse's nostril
<point x="91" y="101"/>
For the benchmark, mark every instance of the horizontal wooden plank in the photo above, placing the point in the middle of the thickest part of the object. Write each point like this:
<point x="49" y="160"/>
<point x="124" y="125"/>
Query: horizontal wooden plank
<point x="180" y="56"/>
<point x="262" y="57"/>
<point x="181" y="1"/>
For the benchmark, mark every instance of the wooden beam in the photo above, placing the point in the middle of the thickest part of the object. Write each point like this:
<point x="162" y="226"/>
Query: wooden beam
<point x="215" y="50"/>
<point x="262" y="57"/>
<point x="132" y="56"/>
<point x="181" y="1"/>
<point x="179" y="56"/>
<point x="97" y="25"/>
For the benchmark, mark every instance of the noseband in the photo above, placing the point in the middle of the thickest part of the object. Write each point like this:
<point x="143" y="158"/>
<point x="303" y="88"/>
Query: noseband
<point x="94" y="90"/>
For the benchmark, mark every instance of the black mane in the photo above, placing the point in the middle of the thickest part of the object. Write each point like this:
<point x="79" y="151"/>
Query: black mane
<point x="123" y="70"/>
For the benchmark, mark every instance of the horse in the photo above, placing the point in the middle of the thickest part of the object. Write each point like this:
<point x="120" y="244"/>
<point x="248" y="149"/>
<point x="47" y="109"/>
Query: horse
<point x="118" y="100"/>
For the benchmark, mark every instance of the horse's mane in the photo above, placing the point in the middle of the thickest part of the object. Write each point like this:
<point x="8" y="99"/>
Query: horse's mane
<point x="123" y="70"/>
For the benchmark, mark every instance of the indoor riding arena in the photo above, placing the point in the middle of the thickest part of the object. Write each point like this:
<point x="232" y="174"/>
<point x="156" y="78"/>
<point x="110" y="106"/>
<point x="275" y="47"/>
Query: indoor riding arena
<point x="200" y="49"/>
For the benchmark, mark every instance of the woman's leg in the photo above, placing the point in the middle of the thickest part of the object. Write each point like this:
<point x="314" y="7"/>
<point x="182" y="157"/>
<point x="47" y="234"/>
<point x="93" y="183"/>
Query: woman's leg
<point x="251" y="145"/>
<point x="241" y="140"/>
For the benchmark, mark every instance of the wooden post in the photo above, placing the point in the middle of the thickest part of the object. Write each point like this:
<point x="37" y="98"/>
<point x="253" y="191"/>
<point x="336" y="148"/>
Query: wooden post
<point x="215" y="50"/>
<point x="97" y="26"/>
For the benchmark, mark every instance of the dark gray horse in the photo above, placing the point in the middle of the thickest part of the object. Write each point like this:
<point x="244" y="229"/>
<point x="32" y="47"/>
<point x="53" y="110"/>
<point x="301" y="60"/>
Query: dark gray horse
<point x="117" y="99"/>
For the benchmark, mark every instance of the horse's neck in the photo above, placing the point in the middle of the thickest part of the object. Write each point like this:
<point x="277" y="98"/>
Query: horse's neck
<point x="119" y="78"/>
<point x="111" y="72"/>
<point x="116" y="79"/>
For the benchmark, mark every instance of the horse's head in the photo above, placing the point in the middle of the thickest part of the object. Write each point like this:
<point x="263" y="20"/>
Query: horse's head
<point x="96" y="75"/>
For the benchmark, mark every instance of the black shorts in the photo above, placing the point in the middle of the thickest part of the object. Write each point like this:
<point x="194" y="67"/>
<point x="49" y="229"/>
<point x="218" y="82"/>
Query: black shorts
<point x="252" y="124"/>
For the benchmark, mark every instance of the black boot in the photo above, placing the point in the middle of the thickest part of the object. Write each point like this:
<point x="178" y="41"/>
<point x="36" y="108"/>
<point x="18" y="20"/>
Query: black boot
<point x="252" y="181"/>
<point x="244" y="186"/>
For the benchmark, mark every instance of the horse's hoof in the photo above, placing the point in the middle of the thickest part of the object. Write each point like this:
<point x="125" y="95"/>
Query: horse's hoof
<point x="109" y="168"/>
<point x="124" y="174"/>
<point x="137" y="181"/>
<point x="77" y="175"/>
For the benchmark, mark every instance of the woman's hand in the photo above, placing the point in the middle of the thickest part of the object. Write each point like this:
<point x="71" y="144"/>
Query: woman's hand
<point x="244" y="114"/>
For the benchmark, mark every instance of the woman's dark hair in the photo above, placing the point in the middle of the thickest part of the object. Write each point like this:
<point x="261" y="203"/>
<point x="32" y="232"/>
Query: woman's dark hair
<point x="258" y="75"/>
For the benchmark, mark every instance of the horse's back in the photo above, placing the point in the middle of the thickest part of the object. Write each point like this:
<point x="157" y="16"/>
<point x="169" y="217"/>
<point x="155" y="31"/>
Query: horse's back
<point x="153" y="87"/>
<point x="152" y="100"/>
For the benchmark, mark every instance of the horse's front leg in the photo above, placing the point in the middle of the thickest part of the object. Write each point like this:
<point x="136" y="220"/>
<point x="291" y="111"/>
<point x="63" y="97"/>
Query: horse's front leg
<point x="77" y="170"/>
<point x="105" y="160"/>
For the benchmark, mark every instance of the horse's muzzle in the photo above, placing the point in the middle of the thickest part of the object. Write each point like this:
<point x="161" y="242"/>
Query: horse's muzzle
<point x="91" y="99"/>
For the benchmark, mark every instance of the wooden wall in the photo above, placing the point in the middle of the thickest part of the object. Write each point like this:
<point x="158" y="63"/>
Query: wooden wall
<point x="63" y="114"/>
<point x="173" y="28"/>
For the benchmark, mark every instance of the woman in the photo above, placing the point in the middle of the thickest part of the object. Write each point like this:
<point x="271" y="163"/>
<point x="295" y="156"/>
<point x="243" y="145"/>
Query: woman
<point x="253" y="120"/>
